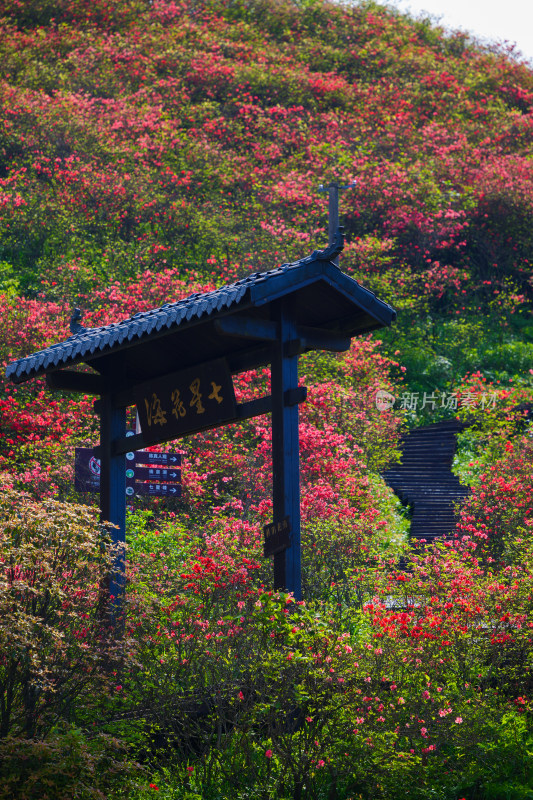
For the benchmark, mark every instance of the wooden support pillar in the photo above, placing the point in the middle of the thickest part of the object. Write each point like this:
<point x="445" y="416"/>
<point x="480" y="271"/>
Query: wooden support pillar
<point x="286" y="452"/>
<point x="113" y="494"/>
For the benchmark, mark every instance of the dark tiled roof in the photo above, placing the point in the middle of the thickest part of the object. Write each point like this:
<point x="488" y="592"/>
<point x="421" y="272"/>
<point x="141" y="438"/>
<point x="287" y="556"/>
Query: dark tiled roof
<point x="253" y="291"/>
<point x="88" y="341"/>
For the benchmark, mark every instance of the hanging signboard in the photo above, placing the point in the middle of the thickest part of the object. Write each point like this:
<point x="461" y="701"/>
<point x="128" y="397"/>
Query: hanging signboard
<point x="276" y="537"/>
<point x="184" y="402"/>
<point x="161" y="477"/>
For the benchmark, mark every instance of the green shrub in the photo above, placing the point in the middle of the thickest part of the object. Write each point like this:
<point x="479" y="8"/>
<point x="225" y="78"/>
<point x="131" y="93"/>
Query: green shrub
<point x="67" y="765"/>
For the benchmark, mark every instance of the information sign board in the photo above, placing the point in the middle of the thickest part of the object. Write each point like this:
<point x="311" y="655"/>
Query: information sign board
<point x="86" y="470"/>
<point x="156" y="477"/>
<point x="186" y="401"/>
<point x="276" y="537"/>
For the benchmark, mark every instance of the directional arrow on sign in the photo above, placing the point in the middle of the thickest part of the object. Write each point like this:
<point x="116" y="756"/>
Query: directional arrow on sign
<point x="157" y="474"/>
<point x="145" y="457"/>
<point x="158" y="489"/>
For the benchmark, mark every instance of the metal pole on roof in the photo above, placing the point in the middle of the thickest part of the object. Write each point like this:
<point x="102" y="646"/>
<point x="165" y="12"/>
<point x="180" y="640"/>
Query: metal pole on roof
<point x="333" y="190"/>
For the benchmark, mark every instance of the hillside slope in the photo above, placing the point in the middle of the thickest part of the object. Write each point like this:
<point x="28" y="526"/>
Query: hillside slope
<point x="155" y="135"/>
<point x="143" y="134"/>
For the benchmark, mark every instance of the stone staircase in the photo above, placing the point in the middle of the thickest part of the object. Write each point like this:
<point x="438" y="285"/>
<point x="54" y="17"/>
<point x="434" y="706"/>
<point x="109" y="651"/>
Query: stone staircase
<point x="424" y="480"/>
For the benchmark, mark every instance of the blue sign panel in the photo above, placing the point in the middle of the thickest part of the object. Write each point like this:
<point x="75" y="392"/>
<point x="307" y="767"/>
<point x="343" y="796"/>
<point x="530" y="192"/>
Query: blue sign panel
<point x="159" y="474"/>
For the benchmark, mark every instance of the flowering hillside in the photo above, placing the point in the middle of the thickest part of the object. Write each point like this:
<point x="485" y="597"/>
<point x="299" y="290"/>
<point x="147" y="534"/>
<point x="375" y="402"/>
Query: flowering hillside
<point x="150" y="149"/>
<point x="156" y="135"/>
<point x="148" y="135"/>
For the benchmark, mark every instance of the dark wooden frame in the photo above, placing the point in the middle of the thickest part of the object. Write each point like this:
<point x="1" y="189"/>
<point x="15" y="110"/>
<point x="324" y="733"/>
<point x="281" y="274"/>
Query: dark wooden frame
<point x="267" y="318"/>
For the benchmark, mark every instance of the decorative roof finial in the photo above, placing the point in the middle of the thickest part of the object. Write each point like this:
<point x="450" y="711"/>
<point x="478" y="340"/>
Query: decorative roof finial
<point x="75" y="326"/>
<point x="331" y="252"/>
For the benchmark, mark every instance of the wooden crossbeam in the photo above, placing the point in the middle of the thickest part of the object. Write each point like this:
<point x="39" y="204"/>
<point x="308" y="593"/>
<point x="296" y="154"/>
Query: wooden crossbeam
<point x="247" y="328"/>
<point x="306" y="338"/>
<point x="252" y="408"/>
<point x="65" y="380"/>
<point x="317" y="339"/>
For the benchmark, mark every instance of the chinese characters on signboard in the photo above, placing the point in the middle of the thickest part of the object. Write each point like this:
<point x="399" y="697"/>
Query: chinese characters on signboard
<point x="276" y="537"/>
<point x="184" y="402"/>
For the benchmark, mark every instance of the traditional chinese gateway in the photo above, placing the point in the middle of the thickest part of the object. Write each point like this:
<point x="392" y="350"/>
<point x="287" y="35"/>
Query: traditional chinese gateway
<point x="175" y="364"/>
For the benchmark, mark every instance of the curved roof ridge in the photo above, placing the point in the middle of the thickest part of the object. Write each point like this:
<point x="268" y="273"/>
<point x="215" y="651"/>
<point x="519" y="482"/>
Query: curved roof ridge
<point x="251" y="292"/>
